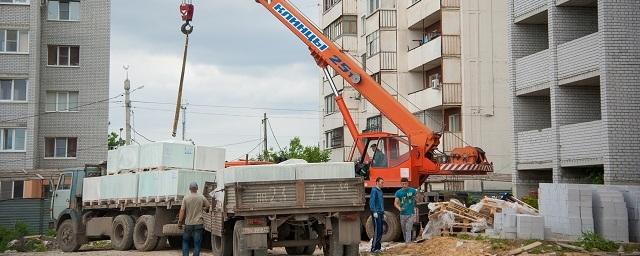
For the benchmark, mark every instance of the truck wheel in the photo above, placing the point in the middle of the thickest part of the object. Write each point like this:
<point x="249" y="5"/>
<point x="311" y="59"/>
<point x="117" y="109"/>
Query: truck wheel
<point x="66" y="238"/>
<point x="144" y="238"/>
<point x="303" y="250"/>
<point x="122" y="237"/>
<point x="391" y="229"/>
<point x="332" y="246"/>
<point x="221" y="246"/>
<point x="238" y="242"/>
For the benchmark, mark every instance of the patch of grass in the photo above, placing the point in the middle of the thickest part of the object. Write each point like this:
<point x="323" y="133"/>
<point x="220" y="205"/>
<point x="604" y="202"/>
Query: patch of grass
<point x="7" y="235"/>
<point x="629" y="248"/>
<point x="591" y="241"/>
<point x="463" y="236"/>
<point x="500" y="244"/>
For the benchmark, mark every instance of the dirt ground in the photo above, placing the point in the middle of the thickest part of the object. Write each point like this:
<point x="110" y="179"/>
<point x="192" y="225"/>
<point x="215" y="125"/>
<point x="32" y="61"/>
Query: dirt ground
<point x="132" y="253"/>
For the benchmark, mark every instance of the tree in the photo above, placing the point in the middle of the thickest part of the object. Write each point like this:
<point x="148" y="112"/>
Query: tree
<point x="296" y="150"/>
<point x="113" y="140"/>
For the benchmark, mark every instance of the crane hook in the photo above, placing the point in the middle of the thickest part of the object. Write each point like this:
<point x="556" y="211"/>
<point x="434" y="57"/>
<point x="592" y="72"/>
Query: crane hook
<point x="186" y="28"/>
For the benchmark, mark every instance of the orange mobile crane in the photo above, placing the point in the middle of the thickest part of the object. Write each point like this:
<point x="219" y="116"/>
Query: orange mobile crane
<point x="414" y="155"/>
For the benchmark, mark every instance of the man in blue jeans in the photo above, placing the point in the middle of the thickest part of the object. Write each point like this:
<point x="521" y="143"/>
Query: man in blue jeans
<point x="376" y="205"/>
<point x="190" y="218"/>
<point x="405" y="203"/>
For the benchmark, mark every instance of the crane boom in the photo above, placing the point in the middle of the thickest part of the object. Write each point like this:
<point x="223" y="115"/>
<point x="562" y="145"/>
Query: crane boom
<point x="419" y="161"/>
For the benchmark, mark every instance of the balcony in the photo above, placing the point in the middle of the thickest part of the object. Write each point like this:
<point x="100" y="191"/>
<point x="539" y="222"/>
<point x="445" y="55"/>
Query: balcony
<point x="532" y="73"/>
<point x="341" y="8"/>
<point x="577" y="3"/>
<point x="426" y="99"/>
<point x="332" y="121"/>
<point x="582" y="144"/>
<point x="579" y="60"/>
<point x="534" y="150"/>
<point x="381" y="18"/>
<point x="382" y="61"/>
<point x="347" y="43"/>
<point x="426" y="56"/>
<point x="423" y="13"/>
<point x="530" y="11"/>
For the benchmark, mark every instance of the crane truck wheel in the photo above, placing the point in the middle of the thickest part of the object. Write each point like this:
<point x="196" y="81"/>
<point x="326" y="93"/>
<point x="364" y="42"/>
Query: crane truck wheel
<point x="122" y="237"/>
<point x="221" y="246"/>
<point x="66" y="238"/>
<point x="238" y="242"/>
<point x="391" y="229"/>
<point x="144" y="238"/>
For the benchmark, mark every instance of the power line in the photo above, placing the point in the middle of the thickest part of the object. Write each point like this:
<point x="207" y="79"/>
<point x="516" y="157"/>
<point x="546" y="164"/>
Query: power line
<point x="237" y="143"/>
<point x="228" y="106"/>
<point x="274" y="135"/>
<point x="144" y="137"/>
<point x="47" y="113"/>
<point x="254" y="148"/>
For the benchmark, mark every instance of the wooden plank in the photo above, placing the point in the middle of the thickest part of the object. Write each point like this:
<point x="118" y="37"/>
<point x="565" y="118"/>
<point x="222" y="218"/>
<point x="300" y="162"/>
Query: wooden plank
<point x="524" y="248"/>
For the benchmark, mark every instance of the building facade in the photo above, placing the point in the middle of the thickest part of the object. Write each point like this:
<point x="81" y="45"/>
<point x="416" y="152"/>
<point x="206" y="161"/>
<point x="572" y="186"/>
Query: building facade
<point x="574" y="81"/>
<point x="444" y="60"/>
<point x="54" y="74"/>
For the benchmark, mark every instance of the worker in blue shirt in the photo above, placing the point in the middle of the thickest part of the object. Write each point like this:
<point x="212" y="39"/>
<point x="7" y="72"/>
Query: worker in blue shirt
<point x="405" y="203"/>
<point x="376" y="205"/>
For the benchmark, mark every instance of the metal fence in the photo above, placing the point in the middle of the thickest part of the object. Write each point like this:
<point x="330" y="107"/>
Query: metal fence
<point x="33" y="212"/>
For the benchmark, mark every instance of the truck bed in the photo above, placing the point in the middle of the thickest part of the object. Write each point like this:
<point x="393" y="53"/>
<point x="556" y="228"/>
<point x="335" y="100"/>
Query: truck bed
<point x="294" y="197"/>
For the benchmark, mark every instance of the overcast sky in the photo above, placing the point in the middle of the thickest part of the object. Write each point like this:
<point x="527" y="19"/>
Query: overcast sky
<point x="242" y="63"/>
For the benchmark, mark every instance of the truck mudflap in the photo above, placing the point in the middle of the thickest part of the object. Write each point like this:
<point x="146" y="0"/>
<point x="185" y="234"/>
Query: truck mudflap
<point x="349" y="228"/>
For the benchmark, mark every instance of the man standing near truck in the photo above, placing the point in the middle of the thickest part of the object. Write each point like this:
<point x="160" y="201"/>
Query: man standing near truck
<point x="376" y="205"/>
<point x="190" y="218"/>
<point x="405" y="203"/>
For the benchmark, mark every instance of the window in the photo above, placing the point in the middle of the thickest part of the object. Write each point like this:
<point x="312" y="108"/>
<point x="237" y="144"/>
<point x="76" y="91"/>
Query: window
<point x="374" y="123"/>
<point x="330" y="104"/>
<point x="60" y="147"/>
<point x="62" y="101"/>
<point x="13" y="90"/>
<point x="330" y="3"/>
<point x="14" y="2"/>
<point x="68" y="10"/>
<point x="18" y="189"/>
<point x="334" y="138"/>
<point x="345" y="25"/>
<point x="64" y="55"/>
<point x="14" y="41"/>
<point x="13" y="139"/>
<point x="373" y="5"/>
<point x="11" y="189"/>
<point x="373" y="44"/>
<point x="454" y="123"/>
<point x="64" y="182"/>
<point x="377" y="77"/>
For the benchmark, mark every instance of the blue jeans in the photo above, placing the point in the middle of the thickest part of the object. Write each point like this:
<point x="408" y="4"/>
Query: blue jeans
<point x="195" y="232"/>
<point x="376" y="244"/>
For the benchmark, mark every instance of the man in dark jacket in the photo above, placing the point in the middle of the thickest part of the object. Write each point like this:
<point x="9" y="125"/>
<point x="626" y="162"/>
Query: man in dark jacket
<point x="376" y="205"/>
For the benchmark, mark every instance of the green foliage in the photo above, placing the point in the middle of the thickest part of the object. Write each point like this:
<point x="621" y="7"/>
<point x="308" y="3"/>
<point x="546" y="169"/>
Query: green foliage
<point x="51" y="232"/>
<point x="531" y="200"/>
<point x="7" y="235"/>
<point x="596" y="176"/>
<point x="33" y="245"/>
<point x="113" y="140"/>
<point x="591" y="240"/>
<point x="464" y="236"/>
<point x="296" y="150"/>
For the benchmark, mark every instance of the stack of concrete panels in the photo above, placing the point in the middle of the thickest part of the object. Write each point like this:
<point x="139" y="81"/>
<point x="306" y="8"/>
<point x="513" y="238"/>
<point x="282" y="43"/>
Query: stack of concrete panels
<point x="119" y="187"/>
<point x="567" y="210"/>
<point x="632" y="199"/>
<point x="160" y="186"/>
<point x="507" y="226"/>
<point x="325" y="171"/>
<point x="611" y="216"/>
<point x="123" y="159"/>
<point x="530" y="227"/>
<point x="209" y="158"/>
<point x="91" y="189"/>
<point x="166" y="155"/>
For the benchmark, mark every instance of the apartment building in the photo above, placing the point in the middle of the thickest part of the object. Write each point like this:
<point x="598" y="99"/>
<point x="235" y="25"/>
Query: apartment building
<point x="54" y="73"/>
<point x="574" y="82"/>
<point x="445" y="60"/>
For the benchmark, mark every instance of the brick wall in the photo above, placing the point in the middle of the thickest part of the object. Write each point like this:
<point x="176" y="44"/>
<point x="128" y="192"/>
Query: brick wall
<point x="534" y="146"/>
<point x="577" y="104"/>
<point x="579" y="56"/>
<point x="582" y="141"/>
<point x="521" y="7"/>
<point x="619" y="23"/>
<point x="532" y="70"/>
<point x="531" y="113"/>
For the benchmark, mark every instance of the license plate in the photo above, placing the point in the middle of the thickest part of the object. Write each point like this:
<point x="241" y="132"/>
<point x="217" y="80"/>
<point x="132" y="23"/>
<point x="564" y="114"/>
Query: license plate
<point x="255" y="230"/>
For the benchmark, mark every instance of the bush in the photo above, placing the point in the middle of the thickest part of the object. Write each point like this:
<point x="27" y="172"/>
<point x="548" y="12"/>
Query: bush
<point x="7" y="235"/>
<point x="531" y="200"/>
<point x="33" y="245"/>
<point x="591" y="240"/>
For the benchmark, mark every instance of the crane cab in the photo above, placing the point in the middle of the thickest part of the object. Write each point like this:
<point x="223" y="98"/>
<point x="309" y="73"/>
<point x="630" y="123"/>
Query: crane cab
<point x="388" y="156"/>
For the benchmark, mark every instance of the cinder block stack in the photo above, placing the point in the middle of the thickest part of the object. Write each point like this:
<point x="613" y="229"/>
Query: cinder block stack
<point x="611" y="216"/>
<point x="530" y="227"/>
<point x="567" y="210"/>
<point x="632" y="199"/>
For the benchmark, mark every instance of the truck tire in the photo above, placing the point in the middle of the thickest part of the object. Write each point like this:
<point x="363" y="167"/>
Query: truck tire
<point x="66" y="237"/>
<point x="237" y="240"/>
<point x="144" y="238"/>
<point x="303" y="250"/>
<point x="222" y="246"/>
<point x="391" y="227"/>
<point x="332" y="246"/>
<point x="122" y="237"/>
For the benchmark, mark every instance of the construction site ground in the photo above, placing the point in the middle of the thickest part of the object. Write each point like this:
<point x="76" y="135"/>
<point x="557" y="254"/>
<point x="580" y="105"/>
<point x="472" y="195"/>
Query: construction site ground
<point x="462" y="245"/>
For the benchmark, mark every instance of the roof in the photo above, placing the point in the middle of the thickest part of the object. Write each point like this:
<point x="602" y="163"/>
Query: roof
<point x="23" y="174"/>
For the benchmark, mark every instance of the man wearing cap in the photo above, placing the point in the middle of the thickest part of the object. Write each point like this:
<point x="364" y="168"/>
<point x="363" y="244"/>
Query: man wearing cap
<point x="190" y="218"/>
<point x="405" y="203"/>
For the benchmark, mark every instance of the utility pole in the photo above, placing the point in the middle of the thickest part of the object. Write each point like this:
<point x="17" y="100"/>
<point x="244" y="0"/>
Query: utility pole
<point x="264" y="130"/>
<point x="127" y="107"/>
<point x="184" y="120"/>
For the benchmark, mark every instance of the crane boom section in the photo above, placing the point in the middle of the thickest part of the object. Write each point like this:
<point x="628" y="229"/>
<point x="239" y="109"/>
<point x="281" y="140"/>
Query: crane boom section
<point x="321" y="46"/>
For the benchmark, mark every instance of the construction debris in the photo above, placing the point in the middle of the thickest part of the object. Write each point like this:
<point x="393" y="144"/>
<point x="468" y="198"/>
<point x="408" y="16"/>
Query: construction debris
<point x="524" y="248"/>
<point x="454" y="217"/>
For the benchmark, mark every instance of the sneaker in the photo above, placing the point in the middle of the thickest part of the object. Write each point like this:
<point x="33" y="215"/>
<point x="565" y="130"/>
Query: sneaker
<point x="376" y="251"/>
